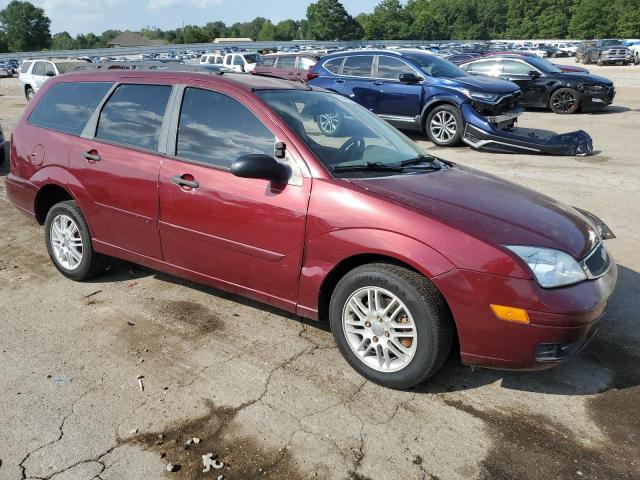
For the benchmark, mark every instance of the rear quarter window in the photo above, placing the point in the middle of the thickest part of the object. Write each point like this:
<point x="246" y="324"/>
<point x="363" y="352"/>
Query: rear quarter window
<point x="66" y="107"/>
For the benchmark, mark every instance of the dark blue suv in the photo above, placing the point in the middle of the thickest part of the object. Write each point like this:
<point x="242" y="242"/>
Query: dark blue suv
<point x="419" y="91"/>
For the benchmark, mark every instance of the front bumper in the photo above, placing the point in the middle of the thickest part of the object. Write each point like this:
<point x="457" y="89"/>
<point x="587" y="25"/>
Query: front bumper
<point x="480" y="132"/>
<point x="618" y="58"/>
<point x="591" y="101"/>
<point x="561" y="320"/>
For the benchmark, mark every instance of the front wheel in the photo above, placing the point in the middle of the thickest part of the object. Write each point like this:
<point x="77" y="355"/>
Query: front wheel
<point x="29" y="93"/>
<point x="564" y="101"/>
<point x="391" y="324"/>
<point x="444" y="126"/>
<point x="69" y="243"/>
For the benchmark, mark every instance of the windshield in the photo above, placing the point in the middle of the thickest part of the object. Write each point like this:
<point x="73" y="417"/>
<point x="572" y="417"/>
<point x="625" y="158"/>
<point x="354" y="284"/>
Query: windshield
<point x="342" y="134"/>
<point x="544" y="65"/>
<point x="609" y="43"/>
<point x="436" y="66"/>
<point x="251" y="58"/>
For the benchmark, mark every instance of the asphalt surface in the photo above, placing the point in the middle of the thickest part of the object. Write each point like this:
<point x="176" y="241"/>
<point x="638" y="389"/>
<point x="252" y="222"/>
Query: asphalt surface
<point x="271" y="396"/>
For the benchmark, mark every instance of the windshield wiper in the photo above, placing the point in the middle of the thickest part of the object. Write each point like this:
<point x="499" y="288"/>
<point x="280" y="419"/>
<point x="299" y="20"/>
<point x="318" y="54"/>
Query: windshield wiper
<point x="369" y="167"/>
<point x="421" y="159"/>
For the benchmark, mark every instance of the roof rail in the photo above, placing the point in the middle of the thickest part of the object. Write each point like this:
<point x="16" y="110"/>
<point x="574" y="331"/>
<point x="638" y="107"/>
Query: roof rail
<point x="160" y="66"/>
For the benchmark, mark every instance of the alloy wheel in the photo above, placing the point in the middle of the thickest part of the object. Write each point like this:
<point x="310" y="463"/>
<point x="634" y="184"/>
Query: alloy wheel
<point x="565" y="102"/>
<point x="379" y="329"/>
<point x="443" y="126"/>
<point x="329" y="122"/>
<point x="66" y="242"/>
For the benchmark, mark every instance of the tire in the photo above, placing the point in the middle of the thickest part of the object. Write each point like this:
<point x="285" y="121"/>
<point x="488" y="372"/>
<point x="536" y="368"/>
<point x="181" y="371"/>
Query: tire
<point x="329" y="123"/>
<point x="29" y="93"/>
<point x="446" y="115"/>
<point x="600" y="62"/>
<point x="424" y="310"/>
<point x="91" y="264"/>
<point x="564" y="101"/>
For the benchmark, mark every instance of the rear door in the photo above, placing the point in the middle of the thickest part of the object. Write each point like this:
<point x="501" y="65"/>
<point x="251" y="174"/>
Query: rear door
<point x="394" y="100"/>
<point x="246" y="235"/>
<point x="117" y="164"/>
<point x="355" y="80"/>
<point x="286" y="67"/>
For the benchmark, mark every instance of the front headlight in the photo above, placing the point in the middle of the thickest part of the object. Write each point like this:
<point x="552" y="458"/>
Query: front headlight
<point x="552" y="268"/>
<point x="481" y="96"/>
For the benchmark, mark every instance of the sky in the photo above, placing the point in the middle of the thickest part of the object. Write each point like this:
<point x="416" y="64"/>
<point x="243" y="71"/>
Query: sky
<point x="84" y="16"/>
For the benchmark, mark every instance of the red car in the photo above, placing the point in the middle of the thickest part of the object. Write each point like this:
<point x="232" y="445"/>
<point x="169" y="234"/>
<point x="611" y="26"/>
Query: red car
<point x="288" y="66"/>
<point x="228" y="181"/>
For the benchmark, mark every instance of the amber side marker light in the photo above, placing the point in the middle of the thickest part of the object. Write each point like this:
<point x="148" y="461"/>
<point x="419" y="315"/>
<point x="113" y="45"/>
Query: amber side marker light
<point x="510" y="314"/>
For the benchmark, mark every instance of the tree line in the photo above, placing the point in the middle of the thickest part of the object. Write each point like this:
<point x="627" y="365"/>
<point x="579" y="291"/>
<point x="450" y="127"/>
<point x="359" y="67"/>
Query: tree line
<point x="25" y="27"/>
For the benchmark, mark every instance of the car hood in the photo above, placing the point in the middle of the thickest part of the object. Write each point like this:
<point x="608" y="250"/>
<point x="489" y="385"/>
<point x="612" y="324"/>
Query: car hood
<point x="572" y="69"/>
<point x="589" y="78"/>
<point x="489" y="208"/>
<point x="480" y="83"/>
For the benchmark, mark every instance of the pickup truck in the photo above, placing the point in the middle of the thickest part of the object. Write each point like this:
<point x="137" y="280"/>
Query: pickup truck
<point x="603" y="52"/>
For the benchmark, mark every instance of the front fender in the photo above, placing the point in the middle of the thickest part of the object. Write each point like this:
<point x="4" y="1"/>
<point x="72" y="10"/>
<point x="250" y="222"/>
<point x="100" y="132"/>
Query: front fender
<point x="327" y="251"/>
<point x="455" y="99"/>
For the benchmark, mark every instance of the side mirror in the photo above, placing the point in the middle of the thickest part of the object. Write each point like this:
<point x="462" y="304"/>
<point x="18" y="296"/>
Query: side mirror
<point x="260" y="166"/>
<point x="409" y="78"/>
<point x="534" y="74"/>
<point x="50" y="74"/>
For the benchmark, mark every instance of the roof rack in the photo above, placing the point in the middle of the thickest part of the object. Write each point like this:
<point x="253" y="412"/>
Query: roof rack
<point x="160" y="66"/>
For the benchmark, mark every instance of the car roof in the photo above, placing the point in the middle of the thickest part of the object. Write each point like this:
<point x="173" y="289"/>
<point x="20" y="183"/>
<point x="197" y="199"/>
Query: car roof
<point x="241" y="81"/>
<point x="372" y="51"/>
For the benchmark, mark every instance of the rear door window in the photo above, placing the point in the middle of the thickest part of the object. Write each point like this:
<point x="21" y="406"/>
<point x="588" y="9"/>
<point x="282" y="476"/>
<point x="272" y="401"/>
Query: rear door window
<point x="267" y="61"/>
<point x="215" y="129"/>
<point x="67" y="107"/>
<point x="334" y="65"/>
<point x="133" y="115"/>
<point x="287" y="62"/>
<point x="38" y="69"/>
<point x="358" y="66"/>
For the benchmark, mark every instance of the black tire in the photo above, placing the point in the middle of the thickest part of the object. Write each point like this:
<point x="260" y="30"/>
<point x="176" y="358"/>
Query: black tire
<point x="600" y="62"/>
<point x="446" y="109"/>
<point x="433" y="324"/>
<point x="564" y="101"/>
<point x="29" y="93"/>
<point x="92" y="263"/>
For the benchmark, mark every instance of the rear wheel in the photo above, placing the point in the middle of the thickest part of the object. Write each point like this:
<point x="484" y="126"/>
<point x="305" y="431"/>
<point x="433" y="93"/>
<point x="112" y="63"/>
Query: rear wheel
<point x="391" y="324"/>
<point x="564" y="101"/>
<point x="444" y="126"/>
<point x="69" y="243"/>
<point x="329" y="123"/>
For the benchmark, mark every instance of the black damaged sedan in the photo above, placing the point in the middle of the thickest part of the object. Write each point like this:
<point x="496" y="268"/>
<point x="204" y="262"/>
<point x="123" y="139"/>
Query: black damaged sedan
<point x="544" y="85"/>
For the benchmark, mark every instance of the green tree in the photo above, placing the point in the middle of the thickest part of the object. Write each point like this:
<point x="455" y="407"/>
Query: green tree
<point x="286" y="30"/>
<point x="389" y="20"/>
<point x="63" y="41"/>
<point x="328" y="20"/>
<point x="267" y="32"/>
<point x="592" y="19"/>
<point x="3" y="43"/>
<point x="25" y="27"/>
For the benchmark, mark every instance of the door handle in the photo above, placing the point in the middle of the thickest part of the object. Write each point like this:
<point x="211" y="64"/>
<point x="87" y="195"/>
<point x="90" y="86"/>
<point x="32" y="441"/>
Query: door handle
<point x="378" y="83"/>
<point x="339" y="81"/>
<point x="92" y="157"/>
<point x="182" y="182"/>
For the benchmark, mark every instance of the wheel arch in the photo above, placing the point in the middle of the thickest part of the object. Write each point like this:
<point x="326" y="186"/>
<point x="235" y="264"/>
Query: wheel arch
<point x="47" y="197"/>
<point x="432" y="104"/>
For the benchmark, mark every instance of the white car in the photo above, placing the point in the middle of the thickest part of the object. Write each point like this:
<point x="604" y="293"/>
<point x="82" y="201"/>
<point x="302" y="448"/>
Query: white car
<point x="211" y="59"/>
<point x="33" y="73"/>
<point x="570" y="48"/>
<point x="241" y="62"/>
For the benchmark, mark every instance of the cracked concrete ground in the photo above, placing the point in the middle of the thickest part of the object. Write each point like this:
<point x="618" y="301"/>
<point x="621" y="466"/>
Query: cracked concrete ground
<point x="270" y="394"/>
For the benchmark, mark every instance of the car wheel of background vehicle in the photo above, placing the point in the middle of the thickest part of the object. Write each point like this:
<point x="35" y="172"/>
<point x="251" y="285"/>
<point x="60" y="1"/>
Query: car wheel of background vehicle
<point x="444" y="126"/>
<point x="391" y="324"/>
<point x="29" y="93"/>
<point x="329" y="123"/>
<point x="564" y="101"/>
<point x="600" y="62"/>
<point x="69" y="243"/>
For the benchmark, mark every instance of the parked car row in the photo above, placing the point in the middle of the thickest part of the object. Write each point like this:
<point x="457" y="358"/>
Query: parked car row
<point x="604" y="52"/>
<point x="300" y="198"/>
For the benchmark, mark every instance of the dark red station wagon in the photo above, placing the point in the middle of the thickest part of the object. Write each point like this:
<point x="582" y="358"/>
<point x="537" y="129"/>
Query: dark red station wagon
<point x="228" y="181"/>
<point x="288" y="66"/>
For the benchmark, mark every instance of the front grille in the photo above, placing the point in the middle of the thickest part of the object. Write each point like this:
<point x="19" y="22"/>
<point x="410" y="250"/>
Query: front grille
<point x="598" y="261"/>
<point x="506" y="104"/>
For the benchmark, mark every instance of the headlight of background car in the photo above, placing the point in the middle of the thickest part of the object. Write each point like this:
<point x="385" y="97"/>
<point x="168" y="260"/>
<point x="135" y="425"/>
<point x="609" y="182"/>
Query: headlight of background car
<point x="481" y="96"/>
<point x="552" y="268"/>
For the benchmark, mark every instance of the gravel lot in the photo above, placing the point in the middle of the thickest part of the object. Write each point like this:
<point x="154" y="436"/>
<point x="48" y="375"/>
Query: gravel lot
<point x="272" y="396"/>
